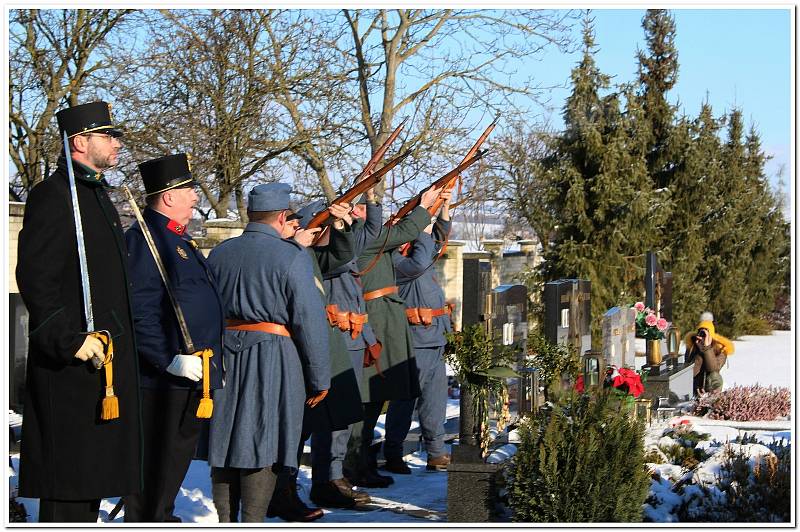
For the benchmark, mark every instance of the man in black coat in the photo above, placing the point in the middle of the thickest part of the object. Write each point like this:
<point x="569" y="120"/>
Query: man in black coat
<point x="71" y="458"/>
<point x="171" y="375"/>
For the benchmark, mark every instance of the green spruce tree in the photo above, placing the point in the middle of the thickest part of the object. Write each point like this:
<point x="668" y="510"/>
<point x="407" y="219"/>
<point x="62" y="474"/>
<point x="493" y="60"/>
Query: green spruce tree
<point x="608" y="214"/>
<point x="658" y="73"/>
<point x="695" y="181"/>
<point x="770" y="249"/>
<point x="726" y="259"/>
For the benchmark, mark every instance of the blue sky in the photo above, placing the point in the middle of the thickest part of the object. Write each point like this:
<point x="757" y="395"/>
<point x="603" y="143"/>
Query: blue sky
<point x="733" y="57"/>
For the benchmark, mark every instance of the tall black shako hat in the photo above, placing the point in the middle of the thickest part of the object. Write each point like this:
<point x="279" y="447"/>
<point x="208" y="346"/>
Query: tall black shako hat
<point x="92" y="117"/>
<point x="165" y="173"/>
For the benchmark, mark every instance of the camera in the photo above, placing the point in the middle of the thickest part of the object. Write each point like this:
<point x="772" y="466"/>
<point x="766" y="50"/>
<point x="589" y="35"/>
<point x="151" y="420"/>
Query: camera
<point x="701" y="334"/>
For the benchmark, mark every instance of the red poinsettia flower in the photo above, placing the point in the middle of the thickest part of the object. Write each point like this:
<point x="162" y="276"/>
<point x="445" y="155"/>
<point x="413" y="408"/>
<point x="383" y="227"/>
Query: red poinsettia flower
<point x="629" y="378"/>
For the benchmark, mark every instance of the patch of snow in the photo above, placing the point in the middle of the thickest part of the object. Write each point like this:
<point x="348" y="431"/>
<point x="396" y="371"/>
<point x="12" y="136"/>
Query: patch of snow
<point x="421" y="498"/>
<point x="502" y="454"/>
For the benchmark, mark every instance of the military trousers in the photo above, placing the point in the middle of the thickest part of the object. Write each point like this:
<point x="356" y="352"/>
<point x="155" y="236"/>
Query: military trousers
<point x="247" y="489"/>
<point x="431" y="407"/>
<point x="170" y="429"/>
<point x="328" y="449"/>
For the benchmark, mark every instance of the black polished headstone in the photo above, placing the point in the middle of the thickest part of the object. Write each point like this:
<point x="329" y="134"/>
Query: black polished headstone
<point x="477" y="285"/>
<point x="568" y="313"/>
<point x="510" y="313"/>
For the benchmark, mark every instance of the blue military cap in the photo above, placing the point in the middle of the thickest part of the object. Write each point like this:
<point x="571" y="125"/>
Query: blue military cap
<point x="308" y="212"/>
<point x="269" y="197"/>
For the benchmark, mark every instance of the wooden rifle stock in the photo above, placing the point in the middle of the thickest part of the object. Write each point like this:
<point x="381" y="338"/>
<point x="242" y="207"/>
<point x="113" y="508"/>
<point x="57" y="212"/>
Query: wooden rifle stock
<point x="359" y="188"/>
<point x="380" y="152"/>
<point x="411" y="204"/>
<point x="433" y="209"/>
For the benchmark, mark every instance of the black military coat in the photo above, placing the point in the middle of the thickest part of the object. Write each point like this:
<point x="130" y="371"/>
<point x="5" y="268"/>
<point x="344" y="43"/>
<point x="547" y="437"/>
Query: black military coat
<point x="67" y="451"/>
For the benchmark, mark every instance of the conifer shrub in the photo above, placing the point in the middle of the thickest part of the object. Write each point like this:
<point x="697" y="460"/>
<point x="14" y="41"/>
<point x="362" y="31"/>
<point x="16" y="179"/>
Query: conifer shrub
<point x="747" y="490"/>
<point x="555" y="362"/>
<point x="745" y="403"/>
<point x="581" y="460"/>
<point x="755" y="326"/>
<point x="780" y="319"/>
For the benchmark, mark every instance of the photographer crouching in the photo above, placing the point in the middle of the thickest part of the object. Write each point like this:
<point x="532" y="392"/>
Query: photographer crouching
<point x="709" y="351"/>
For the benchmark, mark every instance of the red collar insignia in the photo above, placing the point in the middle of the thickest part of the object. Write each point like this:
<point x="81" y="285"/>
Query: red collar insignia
<point x="176" y="228"/>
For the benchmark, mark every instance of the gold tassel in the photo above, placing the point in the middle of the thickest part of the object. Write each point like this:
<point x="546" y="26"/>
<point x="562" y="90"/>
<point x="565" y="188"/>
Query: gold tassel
<point x="110" y="407"/>
<point x="206" y="407"/>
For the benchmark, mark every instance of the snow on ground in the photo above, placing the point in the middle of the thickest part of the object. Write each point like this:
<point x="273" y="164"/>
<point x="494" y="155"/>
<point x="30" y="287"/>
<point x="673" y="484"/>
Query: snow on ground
<point x="422" y="496"/>
<point x="764" y="360"/>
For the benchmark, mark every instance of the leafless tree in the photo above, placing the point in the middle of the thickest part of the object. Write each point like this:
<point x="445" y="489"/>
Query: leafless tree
<point x="309" y="78"/>
<point x="56" y="56"/>
<point x="199" y="88"/>
<point x="297" y="95"/>
<point x="518" y="181"/>
<point x="442" y="67"/>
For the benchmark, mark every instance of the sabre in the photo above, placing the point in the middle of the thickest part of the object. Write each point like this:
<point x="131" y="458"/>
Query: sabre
<point x="187" y="337"/>
<point x="87" y="291"/>
<point x="110" y="405"/>
<point x="205" y="354"/>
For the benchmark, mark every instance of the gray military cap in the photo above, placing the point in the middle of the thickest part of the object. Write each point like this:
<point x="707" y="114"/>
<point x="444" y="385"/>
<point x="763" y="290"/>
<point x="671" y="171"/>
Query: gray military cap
<point x="269" y="197"/>
<point x="309" y="211"/>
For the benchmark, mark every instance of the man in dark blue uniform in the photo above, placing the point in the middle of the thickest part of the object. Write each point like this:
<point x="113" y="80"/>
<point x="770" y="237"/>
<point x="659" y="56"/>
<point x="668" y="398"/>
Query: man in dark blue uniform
<point x="429" y="321"/>
<point x="170" y="376"/>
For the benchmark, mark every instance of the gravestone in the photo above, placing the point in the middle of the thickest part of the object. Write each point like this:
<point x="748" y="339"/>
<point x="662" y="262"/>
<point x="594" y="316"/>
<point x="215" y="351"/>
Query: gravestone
<point x="619" y="336"/>
<point x="568" y="313"/>
<point x="471" y="487"/>
<point x="510" y="314"/>
<point x="674" y="381"/>
<point x="476" y="304"/>
<point x="510" y="330"/>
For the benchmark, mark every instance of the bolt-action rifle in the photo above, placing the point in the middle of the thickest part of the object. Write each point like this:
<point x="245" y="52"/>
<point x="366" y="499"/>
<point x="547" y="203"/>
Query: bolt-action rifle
<point x="359" y="188"/>
<point x="366" y="179"/>
<point x="380" y="152"/>
<point x="433" y="209"/>
<point x="443" y="181"/>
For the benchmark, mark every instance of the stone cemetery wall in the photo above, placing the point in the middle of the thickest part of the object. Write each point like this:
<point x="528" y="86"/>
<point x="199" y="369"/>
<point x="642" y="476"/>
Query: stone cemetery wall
<point x="506" y="266"/>
<point x="15" y="212"/>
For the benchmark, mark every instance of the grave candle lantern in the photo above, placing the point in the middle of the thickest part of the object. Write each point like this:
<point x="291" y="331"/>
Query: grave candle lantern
<point x="528" y="391"/>
<point x="643" y="409"/>
<point x="594" y="369"/>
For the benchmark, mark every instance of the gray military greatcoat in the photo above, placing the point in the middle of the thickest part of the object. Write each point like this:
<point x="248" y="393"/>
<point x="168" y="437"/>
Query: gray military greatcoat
<point x="258" y="415"/>
<point x="419" y="287"/>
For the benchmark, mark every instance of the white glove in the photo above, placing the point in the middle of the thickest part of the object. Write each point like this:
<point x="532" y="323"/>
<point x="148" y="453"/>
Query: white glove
<point x="189" y="366"/>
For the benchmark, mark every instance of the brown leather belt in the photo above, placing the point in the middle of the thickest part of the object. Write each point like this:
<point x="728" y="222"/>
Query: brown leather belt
<point x="258" y="326"/>
<point x="346" y="321"/>
<point x="424" y="316"/>
<point x="375" y="294"/>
